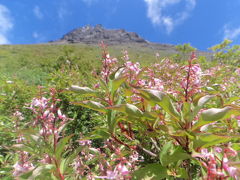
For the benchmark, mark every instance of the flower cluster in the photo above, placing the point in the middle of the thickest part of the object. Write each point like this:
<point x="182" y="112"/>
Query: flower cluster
<point x="48" y="115"/>
<point x="192" y="82"/>
<point x="49" y="121"/>
<point x="23" y="164"/>
<point x="218" y="163"/>
<point x="112" y="163"/>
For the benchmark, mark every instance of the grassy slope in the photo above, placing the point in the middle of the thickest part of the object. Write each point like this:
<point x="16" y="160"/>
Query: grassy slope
<point x="33" y="62"/>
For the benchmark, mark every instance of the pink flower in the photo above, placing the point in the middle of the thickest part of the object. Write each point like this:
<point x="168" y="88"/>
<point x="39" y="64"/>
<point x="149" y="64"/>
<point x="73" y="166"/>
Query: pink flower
<point x="96" y="86"/>
<point x="218" y="149"/>
<point x="46" y="159"/>
<point x="20" y="139"/>
<point x="19" y="115"/>
<point x="232" y="171"/>
<point x="125" y="55"/>
<point x="134" y="67"/>
<point x="135" y="98"/>
<point x="110" y="175"/>
<point x="122" y="169"/>
<point x="45" y="114"/>
<point x="141" y="82"/>
<point x="237" y="71"/>
<point x="39" y="102"/>
<point x="20" y="168"/>
<point x="230" y="152"/>
<point x="85" y="142"/>
<point x="60" y="115"/>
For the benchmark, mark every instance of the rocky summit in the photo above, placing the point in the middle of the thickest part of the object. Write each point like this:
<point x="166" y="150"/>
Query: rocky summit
<point x="94" y="35"/>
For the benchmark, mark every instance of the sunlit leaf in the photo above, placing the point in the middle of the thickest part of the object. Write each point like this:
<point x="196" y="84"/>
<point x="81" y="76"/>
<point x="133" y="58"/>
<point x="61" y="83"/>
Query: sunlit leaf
<point x="162" y="99"/>
<point x="92" y="105"/>
<point x="129" y="109"/>
<point x="116" y="83"/>
<point x="151" y="172"/>
<point x="207" y="140"/>
<point x="215" y="114"/>
<point x="61" y="146"/>
<point x="83" y="90"/>
<point x="170" y="154"/>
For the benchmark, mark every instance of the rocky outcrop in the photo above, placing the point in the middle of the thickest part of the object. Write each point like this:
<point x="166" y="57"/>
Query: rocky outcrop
<point x="94" y="35"/>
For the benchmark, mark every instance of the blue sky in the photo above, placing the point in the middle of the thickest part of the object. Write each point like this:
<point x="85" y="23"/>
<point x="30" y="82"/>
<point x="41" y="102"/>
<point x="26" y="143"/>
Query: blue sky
<point x="202" y="23"/>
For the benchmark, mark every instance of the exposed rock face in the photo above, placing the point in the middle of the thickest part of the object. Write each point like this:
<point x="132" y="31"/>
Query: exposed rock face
<point x="94" y="35"/>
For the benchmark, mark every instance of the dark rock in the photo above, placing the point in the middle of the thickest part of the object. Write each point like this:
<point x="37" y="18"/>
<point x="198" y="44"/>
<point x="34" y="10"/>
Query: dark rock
<point x="94" y="35"/>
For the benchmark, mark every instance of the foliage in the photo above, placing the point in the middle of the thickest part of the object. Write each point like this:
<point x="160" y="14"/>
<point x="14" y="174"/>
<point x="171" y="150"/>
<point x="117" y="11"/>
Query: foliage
<point x="184" y="51"/>
<point x="166" y="120"/>
<point x="225" y="53"/>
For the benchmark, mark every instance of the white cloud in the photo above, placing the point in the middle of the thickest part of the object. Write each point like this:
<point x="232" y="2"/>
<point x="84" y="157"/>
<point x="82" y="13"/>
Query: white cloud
<point x="3" y="39"/>
<point x="37" y="12"/>
<point x="5" y="24"/>
<point x="231" y="33"/>
<point x="156" y="12"/>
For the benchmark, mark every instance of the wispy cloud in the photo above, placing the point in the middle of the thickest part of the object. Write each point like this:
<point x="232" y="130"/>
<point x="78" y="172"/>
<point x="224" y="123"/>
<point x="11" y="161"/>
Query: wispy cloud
<point x="6" y="24"/>
<point x="89" y="2"/>
<point x="231" y="33"/>
<point x="156" y="12"/>
<point x="39" y="38"/>
<point x="37" y="12"/>
<point x="62" y="12"/>
<point x="35" y="35"/>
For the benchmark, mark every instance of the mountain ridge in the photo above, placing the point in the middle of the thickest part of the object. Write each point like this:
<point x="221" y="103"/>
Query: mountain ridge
<point x="93" y="35"/>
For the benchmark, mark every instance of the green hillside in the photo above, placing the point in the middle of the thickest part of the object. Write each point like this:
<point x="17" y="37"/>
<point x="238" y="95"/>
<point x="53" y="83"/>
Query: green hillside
<point x="33" y="63"/>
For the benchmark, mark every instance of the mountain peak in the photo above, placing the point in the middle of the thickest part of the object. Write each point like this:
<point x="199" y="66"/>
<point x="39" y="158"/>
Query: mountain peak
<point x="95" y="34"/>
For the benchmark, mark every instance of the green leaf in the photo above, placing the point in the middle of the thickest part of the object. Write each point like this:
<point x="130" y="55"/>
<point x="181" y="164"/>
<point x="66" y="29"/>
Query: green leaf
<point x="211" y="90"/>
<point x="116" y="80"/>
<point x="129" y="109"/>
<point x="92" y="105"/>
<point x="201" y="102"/>
<point x="70" y="158"/>
<point x="61" y="146"/>
<point x="164" y="153"/>
<point x="111" y="117"/>
<point x="162" y="99"/>
<point x="23" y="147"/>
<point x="187" y="111"/>
<point x="151" y="172"/>
<point x="43" y="171"/>
<point x="100" y="134"/>
<point x="171" y="154"/>
<point x="236" y="146"/>
<point x="83" y="90"/>
<point x="232" y="99"/>
<point x="182" y="173"/>
<point x="215" y="114"/>
<point x="207" y="140"/>
<point x="152" y="116"/>
<point x="118" y="73"/>
<point x="116" y="83"/>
